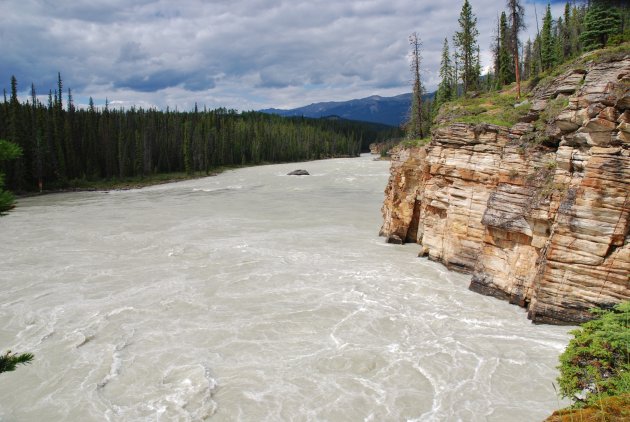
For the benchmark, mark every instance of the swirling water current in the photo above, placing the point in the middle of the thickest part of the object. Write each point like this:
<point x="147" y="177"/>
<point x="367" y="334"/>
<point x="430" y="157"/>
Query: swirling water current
<point x="253" y="296"/>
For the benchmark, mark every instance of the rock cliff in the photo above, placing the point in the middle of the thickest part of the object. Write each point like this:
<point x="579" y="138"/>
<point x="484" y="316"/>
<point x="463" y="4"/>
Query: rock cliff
<point x="539" y="212"/>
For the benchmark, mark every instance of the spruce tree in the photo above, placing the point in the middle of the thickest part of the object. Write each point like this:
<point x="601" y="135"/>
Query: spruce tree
<point x="576" y="26"/>
<point x="547" y="41"/>
<point x="517" y="23"/>
<point x="414" y="127"/>
<point x="536" y="61"/>
<point x="527" y="60"/>
<point x="466" y="44"/>
<point x="505" y="74"/>
<point x="8" y="151"/>
<point x="16" y="173"/>
<point x="565" y="33"/>
<point x="601" y="21"/>
<point x="496" y="50"/>
<point x="445" y="88"/>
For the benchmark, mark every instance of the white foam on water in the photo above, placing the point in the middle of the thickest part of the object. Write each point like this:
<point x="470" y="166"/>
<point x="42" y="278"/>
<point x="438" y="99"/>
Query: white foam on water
<point x="248" y="296"/>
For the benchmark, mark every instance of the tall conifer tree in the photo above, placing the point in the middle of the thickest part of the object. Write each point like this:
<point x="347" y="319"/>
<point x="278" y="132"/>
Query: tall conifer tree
<point x="517" y="23"/>
<point x="601" y="21"/>
<point x="504" y="72"/>
<point x="566" y="33"/>
<point x="547" y="41"/>
<point x="466" y="44"/>
<point x="527" y="60"/>
<point x="414" y="125"/>
<point x="445" y="89"/>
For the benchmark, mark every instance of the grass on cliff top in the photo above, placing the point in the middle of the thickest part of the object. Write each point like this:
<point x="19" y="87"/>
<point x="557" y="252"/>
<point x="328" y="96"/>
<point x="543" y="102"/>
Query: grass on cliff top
<point x="610" y="409"/>
<point x="497" y="108"/>
<point x="414" y="143"/>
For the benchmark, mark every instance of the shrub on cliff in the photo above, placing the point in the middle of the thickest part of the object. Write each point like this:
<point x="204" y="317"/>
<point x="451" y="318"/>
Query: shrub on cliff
<point x="596" y="363"/>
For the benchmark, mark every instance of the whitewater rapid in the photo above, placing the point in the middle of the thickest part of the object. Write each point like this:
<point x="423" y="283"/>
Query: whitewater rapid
<point x="253" y="296"/>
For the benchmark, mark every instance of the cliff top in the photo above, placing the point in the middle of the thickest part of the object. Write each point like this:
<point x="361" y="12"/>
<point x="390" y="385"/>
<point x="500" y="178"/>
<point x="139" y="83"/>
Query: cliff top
<point x="502" y="108"/>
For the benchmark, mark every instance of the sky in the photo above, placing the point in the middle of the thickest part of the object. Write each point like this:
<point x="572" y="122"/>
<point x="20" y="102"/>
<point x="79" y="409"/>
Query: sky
<point x="240" y="54"/>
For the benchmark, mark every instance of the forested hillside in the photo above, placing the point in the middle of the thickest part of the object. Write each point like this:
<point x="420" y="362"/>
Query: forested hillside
<point x="62" y="142"/>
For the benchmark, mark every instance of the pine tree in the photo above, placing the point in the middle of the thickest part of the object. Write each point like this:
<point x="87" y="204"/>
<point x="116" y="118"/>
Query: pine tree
<point x="477" y="69"/>
<point x="414" y="125"/>
<point x="517" y="23"/>
<point x="527" y="60"/>
<point x="8" y="151"/>
<point x="456" y="72"/>
<point x="187" y="149"/>
<point x="16" y="173"/>
<point x="547" y="41"/>
<point x="496" y="50"/>
<point x="565" y="33"/>
<point x="59" y="91"/>
<point x="601" y="21"/>
<point x="536" y="61"/>
<point x="557" y="41"/>
<point x="505" y="74"/>
<point x="445" y="88"/>
<point x="576" y="26"/>
<point x="466" y="44"/>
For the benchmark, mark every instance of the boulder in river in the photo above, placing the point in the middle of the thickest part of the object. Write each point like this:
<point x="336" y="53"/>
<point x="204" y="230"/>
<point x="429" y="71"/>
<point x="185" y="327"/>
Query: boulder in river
<point x="298" y="173"/>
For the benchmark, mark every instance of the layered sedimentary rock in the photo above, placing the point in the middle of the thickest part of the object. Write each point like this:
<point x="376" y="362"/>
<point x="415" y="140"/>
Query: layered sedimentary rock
<point x="538" y="213"/>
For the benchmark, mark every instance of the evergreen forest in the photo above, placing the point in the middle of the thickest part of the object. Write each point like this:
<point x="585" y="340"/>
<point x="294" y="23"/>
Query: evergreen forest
<point x="62" y="143"/>
<point x="583" y="26"/>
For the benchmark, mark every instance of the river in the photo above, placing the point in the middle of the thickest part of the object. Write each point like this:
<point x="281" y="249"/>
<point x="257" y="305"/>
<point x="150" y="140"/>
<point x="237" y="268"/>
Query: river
<point x="253" y="296"/>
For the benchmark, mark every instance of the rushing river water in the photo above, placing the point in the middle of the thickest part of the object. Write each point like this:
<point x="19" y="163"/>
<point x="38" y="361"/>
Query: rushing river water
<point x="253" y="296"/>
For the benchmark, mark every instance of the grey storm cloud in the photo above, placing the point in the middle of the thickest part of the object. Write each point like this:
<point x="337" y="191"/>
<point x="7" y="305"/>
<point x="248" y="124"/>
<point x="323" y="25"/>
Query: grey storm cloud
<point x="242" y="54"/>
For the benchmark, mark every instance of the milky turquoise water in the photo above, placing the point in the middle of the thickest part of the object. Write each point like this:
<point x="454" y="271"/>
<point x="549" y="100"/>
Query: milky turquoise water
<point x="253" y="296"/>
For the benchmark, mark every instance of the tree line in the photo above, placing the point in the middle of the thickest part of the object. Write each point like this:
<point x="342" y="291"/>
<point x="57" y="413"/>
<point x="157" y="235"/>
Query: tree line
<point x="581" y="28"/>
<point x="584" y="26"/>
<point x="61" y="142"/>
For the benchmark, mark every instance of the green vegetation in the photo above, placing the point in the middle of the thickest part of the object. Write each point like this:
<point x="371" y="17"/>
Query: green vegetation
<point x="497" y="108"/>
<point x="415" y="143"/>
<point x="414" y="126"/>
<point x="8" y="151"/>
<point x="609" y="409"/>
<point x="600" y="23"/>
<point x="596" y="363"/>
<point x="582" y="27"/>
<point x="548" y="54"/>
<point x="505" y="72"/>
<point x="9" y="361"/>
<point x="64" y="145"/>
<point x="467" y="48"/>
<point x="447" y="87"/>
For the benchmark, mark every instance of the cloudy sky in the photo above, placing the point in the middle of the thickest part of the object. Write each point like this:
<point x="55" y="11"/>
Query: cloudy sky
<point x="242" y="54"/>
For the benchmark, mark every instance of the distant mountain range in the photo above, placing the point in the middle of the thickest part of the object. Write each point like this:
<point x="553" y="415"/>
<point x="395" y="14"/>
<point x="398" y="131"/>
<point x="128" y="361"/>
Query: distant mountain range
<point x="391" y="111"/>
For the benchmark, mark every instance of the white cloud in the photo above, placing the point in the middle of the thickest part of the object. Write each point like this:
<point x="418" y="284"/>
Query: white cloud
<point x="243" y="54"/>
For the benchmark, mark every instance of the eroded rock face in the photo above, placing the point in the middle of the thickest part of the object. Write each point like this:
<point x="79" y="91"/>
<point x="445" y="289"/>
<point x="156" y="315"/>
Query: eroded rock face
<point x="545" y="226"/>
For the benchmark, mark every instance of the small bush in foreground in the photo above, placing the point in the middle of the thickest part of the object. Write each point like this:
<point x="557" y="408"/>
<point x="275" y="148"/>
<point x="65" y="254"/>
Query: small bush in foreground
<point x="596" y="363"/>
<point x="9" y="361"/>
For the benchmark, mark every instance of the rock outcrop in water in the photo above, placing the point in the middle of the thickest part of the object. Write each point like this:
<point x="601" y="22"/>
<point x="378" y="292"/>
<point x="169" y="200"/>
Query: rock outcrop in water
<point x="299" y="172"/>
<point x="538" y="213"/>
